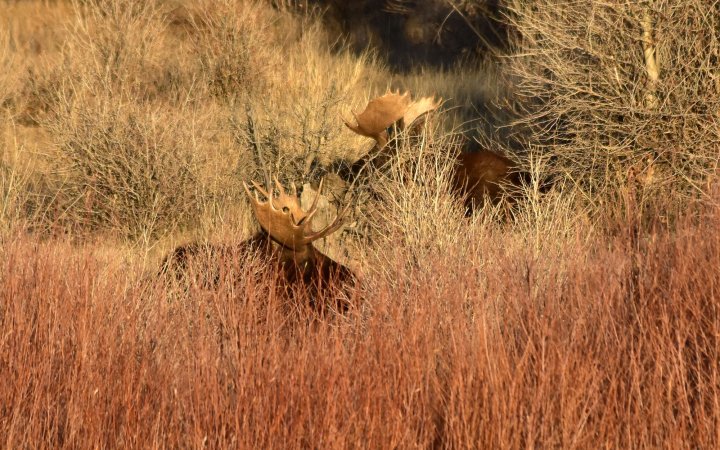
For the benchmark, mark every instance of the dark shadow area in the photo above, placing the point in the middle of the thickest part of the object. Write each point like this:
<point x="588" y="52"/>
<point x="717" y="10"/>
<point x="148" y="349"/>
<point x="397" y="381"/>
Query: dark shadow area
<point x="413" y="33"/>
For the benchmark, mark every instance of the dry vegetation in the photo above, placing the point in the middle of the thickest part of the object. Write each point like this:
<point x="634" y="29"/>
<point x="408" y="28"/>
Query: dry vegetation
<point x="610" y="92"/>
<point x="584" y="316"/>
<point x="482" y="345"/>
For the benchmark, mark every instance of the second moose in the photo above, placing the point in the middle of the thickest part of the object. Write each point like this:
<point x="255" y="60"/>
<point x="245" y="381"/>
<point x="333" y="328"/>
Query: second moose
<point x="478" y="175"/>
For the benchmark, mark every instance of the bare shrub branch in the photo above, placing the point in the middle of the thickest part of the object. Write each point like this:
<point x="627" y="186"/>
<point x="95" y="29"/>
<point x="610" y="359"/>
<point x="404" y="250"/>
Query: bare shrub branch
<point x="609" y="89"/>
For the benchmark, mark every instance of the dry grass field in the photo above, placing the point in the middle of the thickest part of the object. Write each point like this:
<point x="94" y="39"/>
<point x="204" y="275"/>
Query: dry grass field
<point x="582" y="310"/>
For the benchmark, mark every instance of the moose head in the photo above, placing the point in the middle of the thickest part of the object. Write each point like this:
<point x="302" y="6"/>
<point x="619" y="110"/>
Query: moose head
<point x="290" y="228"/>
<point x="285" y="243"/>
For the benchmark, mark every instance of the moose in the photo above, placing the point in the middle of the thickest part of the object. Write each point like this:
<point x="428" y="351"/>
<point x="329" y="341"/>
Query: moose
<point x="285" y="243"/>
<point x="477" y="176"/>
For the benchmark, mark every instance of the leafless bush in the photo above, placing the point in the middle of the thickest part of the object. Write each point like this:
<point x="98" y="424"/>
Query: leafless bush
<point x="234" y="46"/>
<point x="296" y="126"/>
<point x="128" y="167"/>
<point x="153" y="114"/>
<point x="408" y="205"/>
<point x="621" y="94"/>
<point x="30" y="40"/>
<point x="117" y="45"/>
<point x="17" y="207"/>
<point x="136" y="143"/>
<point x="481" y="344"/>
<point x="6" y="61"/>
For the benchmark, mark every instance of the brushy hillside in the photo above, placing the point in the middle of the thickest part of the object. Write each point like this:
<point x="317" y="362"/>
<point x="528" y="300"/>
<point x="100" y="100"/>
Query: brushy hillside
<point x="143" y="117"/>
<point x="581" y="313"/>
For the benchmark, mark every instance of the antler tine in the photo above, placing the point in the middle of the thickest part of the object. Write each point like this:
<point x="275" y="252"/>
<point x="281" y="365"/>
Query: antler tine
<point x="280" y="215"/>
<point x="247" y="191"/>
<point x="313" y="207"/>
<point x="259" y="188"/>
<point x="283" y="218"/>
<point x="280" y="188"/>
<point x="331" y="228"/>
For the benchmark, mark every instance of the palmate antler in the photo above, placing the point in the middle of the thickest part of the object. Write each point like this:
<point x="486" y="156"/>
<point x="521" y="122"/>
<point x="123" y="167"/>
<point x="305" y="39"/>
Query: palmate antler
<point x="284" y="220"/>
<point x="301" y="272"/>
<point x="382" y="112"/>
<point x="419" y="108"/>
<point x="477" y="175"/>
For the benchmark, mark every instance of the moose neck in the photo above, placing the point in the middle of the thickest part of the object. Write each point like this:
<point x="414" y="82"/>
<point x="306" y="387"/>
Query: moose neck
<point x="376" y="157"/>
<point x="298" y="256"/>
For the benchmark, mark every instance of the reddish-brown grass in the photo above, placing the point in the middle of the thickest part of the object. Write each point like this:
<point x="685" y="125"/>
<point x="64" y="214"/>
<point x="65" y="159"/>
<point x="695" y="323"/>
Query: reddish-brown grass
<point x="619" y="349"/>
